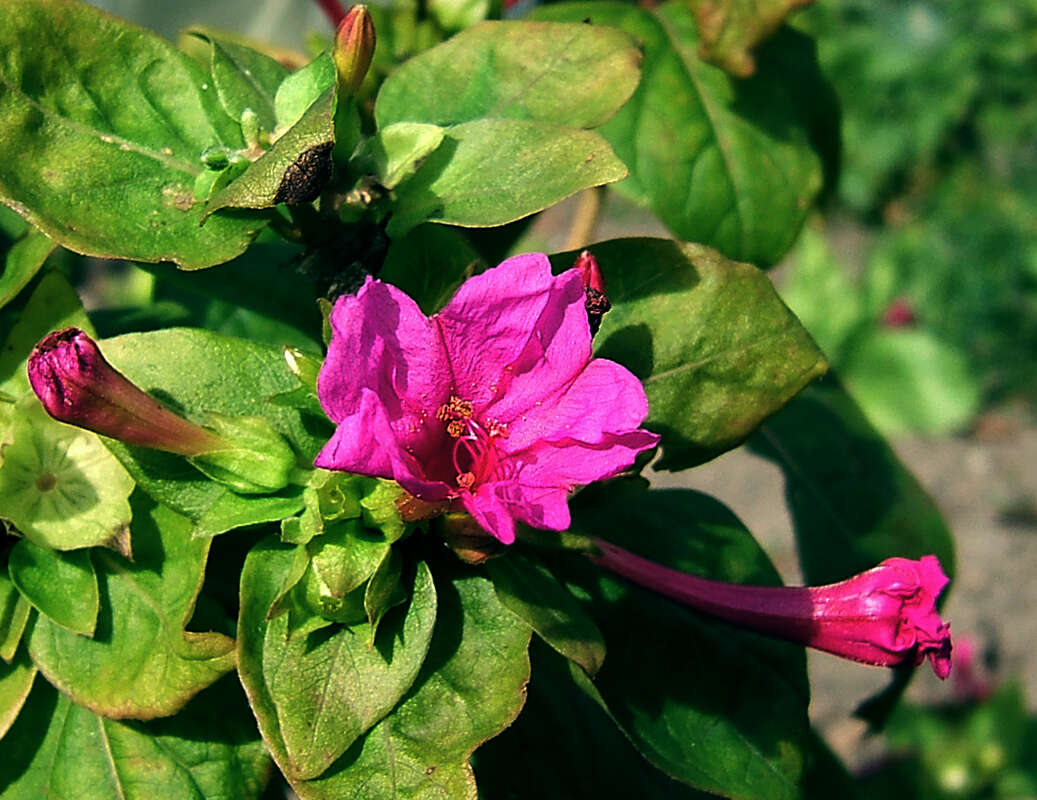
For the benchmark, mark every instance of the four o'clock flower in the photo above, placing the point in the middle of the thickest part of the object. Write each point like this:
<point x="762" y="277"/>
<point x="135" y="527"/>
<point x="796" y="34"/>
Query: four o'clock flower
<point x="885" y="616"/>
<point x="493" y="406"/>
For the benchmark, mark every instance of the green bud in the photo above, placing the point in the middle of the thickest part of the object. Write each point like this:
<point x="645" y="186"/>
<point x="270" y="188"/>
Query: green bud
<point x="343" y="560"/>
<point x="253" y="458"/>
<point x="354" y="49"/>
<point x="250" y="128"/>
<point x="216" y="158"/>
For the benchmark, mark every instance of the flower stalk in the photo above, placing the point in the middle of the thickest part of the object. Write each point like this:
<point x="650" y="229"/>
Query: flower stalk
<point x="885" y="616"/>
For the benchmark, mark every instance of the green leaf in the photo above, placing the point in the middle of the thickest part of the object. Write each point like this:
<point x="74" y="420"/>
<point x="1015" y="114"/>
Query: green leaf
<point x="62" y="586"/>
<point x="244" y="78"/>
<point x="245" y="282"/>
<point x="23" y="260"/>
<point x="852" y="501"/>
<point x="53" y="305"/>
<point x="908" y="380"/>
<point x="383" y="590"/>
<point x="293" y="170"/>
<point x="14" y="615"/>
<point x="719" y="708"/>
<point x="330" y="686"/>
<point x="716" y="348"/>
<point x="429" y="263"/>
<point x="102" y="128"/>
<point x="529" y="590"/>
<point x="493" y="171"/>
<point x="62" y="489"/>
<point x="571" y="748"/>
<point x="471" y="686"/>
<point x="394" y="153"/>
<point x="141" y="662"/>
<point x="731" y="28"/>
<point x="564" y="74"/>
<point x="303" y="88"/>
<point x="455" y="15"/>
<point x="722" y="162"/>
<point x="15" y="682"/>
<point x="209" y="751"/>
<point x="197" y="371"/>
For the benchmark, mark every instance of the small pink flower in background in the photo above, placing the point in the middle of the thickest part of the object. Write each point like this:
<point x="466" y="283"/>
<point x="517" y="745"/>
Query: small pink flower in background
<point x="494" y="405"/>
<point x="885" y="617"/>
<point x="899" y="314"/>
<point x="972" y="682"/>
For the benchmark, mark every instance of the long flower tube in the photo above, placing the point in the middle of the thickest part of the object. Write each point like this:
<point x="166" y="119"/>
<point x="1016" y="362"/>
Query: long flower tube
<point x="885" y="616"/>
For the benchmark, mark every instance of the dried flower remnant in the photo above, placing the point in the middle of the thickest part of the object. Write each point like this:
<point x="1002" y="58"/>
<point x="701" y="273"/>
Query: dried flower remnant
<point x="885" y="616"/>
<point x="596" y="302"/>
<point x="494" y="405"/>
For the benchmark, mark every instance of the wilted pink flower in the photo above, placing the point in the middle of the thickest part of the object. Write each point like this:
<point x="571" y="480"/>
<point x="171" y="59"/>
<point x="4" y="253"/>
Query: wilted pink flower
<point x="494" y="405"/>
<point x="886" y="616"/>
<point x="76" y="385"/>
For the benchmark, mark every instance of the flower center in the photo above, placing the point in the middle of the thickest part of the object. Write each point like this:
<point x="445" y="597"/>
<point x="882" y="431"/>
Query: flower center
<point x="474" y="456"/>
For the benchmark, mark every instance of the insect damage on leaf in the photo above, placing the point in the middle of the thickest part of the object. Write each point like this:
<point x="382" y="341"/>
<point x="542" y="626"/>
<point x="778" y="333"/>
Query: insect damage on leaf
<point x="304" y="179"/>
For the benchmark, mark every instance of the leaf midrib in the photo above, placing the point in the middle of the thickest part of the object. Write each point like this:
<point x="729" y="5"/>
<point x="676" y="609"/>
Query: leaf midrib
<point x="112" y="140"/>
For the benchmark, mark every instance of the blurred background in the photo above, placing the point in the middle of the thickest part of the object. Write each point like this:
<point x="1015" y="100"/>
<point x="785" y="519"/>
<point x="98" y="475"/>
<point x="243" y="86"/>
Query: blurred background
<point x="918" y="277"/>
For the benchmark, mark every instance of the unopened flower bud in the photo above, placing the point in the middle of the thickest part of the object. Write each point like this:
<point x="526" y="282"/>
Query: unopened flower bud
<point x="597" y="301"/>
<point x="354" y="49"/>
<point x="885" y="616"/>
<point x="76" y="385"/>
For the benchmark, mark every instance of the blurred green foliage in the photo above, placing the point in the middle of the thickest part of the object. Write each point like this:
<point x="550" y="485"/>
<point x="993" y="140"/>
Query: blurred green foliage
<point x="937" y="206"/>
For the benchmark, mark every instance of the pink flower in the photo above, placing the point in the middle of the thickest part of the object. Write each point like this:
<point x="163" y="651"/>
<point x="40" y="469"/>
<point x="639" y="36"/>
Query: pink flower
<point x="886" y="616"/>
<point x="494" y="405"/>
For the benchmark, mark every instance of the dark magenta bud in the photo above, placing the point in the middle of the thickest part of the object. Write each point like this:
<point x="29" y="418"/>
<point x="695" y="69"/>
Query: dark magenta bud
<point x="76" y="385"/>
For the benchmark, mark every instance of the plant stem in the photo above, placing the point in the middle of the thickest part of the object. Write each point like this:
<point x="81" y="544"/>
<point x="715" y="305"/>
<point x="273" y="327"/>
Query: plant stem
<point x="588" y="206"/>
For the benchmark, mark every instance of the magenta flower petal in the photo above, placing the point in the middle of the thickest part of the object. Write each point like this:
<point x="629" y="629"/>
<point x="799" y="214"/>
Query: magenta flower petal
<point x="604" y="396"/>
<point x="886" y="616"/>
<point x="516" y="334"/>
<point x="494" y="404"/>
<point x="382" y="342"/>
<point x="488" y="509"/>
